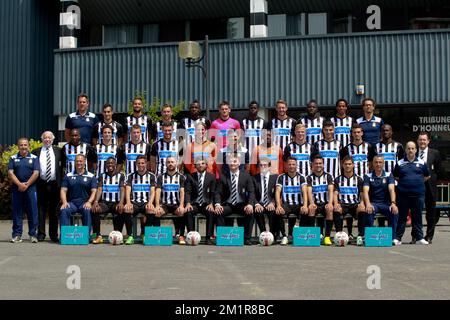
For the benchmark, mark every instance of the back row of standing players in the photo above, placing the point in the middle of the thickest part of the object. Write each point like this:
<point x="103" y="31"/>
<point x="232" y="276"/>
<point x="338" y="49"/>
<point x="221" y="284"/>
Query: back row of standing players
<point x="251" y="139"/>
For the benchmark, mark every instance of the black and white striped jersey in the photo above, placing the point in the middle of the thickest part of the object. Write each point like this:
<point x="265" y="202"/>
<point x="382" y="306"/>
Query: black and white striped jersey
<point x="361" y="155"/>
<point x="302" y="153"/>
<point x="70" y="152"/>
<point x="131" y="152"/>
<point x="291" y="188"/>
<point x="170" y="186"/>
<point x="111" y="186"/>
<point x="342" y="129"/>
<point x="349" y="189"/>
<point x="313" y="128"/>
<point x="140" y="186"/>
<point x="282" y="131"/>
<point x="103" y="153"/>
<point x="319" y="185"/>
<point x="162" y="150"/>
<point x="117" y="131"/>
<point x="157" y="132"/>
<point x="189" y="124"/>
<point x="329" y="150"/>
<point x="144" y="122"/>
<point x="253" y="132"/>
<point x="392" y="153"/>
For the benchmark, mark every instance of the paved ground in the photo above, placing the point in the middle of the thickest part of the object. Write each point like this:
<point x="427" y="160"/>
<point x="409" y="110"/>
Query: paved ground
<point x="38" y="271"/>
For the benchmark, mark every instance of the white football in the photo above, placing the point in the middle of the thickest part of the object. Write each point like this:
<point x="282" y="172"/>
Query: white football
<point x="193" y="238"/>
<point x="341" y="239"/>
<point x="266" y="238"/>
<point x="115" y="238"/>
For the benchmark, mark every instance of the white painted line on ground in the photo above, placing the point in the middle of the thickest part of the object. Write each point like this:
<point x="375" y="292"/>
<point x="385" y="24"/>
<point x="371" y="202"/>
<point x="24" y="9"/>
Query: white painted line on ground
<point x="409" y="256"/>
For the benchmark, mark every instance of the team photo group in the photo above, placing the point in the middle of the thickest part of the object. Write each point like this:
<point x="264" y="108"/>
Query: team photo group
<point x="278" y="173"/>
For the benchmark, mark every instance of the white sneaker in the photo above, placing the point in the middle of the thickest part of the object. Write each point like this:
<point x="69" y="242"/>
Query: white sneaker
<point x="284" y="241"/>
<point x="359" y="241"/>
<point x="422" y="242"/>
<point x="396" y="242"/>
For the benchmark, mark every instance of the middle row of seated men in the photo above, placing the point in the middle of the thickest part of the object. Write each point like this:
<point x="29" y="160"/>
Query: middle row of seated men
<point x="288" y="195"/>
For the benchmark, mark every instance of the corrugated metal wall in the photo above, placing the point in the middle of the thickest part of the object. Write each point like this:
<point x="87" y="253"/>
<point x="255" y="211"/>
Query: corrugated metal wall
<point x="396" y="68"/>
<point x="28" y="35"/>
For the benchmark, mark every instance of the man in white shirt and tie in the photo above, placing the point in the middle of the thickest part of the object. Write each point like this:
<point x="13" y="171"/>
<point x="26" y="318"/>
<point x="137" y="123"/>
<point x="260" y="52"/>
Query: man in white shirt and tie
<point x="432" y="159"/>
<point x="48" y="185"/>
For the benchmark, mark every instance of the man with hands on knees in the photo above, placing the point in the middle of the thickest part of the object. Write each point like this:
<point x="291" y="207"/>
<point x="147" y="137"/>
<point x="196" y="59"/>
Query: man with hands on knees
<point x="78" y="190"/>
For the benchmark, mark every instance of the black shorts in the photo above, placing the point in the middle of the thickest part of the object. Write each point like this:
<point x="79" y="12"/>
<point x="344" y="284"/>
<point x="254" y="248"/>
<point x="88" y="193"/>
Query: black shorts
<point x="108" y="207"/>
<point x="350" y="209"/>
<point x="139" y="207"/>
<point x="320" y="211"/>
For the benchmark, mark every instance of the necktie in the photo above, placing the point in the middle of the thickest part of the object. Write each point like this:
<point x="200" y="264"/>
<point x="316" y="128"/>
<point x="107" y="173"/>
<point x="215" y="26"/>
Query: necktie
<point x="200" y="189"/>
<point x="422" y="154"/>
<point x="48" y="171"/>
<point x="233" y="189"/>
<point x="266" y="193"/>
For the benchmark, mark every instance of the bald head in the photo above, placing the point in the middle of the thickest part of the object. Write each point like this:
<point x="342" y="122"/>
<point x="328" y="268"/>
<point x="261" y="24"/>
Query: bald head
<point x="411" y="150"/>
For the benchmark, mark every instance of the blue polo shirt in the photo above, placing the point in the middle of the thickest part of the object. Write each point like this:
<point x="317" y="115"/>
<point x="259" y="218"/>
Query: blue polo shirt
<point x="410" y="176"/>
<point x="84" y="124"/>
<point x="372" y="129"/>
<point x="23" y="167"/>
<point x="79" y="186"/>
<point x="379" y="186"/>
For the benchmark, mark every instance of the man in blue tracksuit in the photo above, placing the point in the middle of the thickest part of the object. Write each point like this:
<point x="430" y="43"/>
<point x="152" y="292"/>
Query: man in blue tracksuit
<point x="23" y="171"/>
<point x="411" y="174"/>
<point x="370" y="123"/>
<point x="78" y="190"/>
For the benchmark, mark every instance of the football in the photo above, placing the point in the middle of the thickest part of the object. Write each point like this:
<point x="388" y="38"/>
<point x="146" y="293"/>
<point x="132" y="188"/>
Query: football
<point x="266" y="238"/>
<point x="193" y="238"/>
<point x="115" y="238"/>
<point x="341" y="239"/>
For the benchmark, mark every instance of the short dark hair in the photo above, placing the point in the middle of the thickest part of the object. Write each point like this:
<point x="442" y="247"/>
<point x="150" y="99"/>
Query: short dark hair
<point x="107" y="126"/>
<point x="343" y="100"/>
<point x="348" y="158"/>
<point x="290" y="158"/>
<point x="425" y="133"/>
<point x="327" y="123"/>
<point x="312" y="101"/>
<point x="252" y="103"/>
<point x="107" y="105"/>
<point x="167" y="124"/>
<point x="224" y="103"/>
<point x="316" y="157"/>
<point x="357" y="126"/>
<point x="83" y="95"/>
<point x="136" y="127"/>
<point x="368" y="99"/>
<point x="141" y="157"/>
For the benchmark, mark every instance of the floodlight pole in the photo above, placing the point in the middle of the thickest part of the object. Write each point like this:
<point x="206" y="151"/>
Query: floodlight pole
<point x="191" y="63"/>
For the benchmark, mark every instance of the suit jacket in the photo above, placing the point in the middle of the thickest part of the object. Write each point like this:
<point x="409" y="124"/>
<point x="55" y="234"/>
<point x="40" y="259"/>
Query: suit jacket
<point x="58" y="161"/>
<point x="191" y="188"/>
<point x="271" y="187"/>
<point x="434" y="166"/>
<point x="246" y="188"/>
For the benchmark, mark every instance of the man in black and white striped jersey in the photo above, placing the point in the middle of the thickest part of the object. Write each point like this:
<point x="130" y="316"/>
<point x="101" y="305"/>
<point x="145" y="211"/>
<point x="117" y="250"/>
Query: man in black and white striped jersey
<point x="253" y="126"/>
<point x="140" y="195"/>
<point x="110" y="197"/>
<point x="348" y="195"/>
<point x="158" y="127"/>
<point x="74" y="147"/>
<point x="329" y="149"/>
<point x="170" y="196"/>
<point x="291" y="197"/>
<point x="107" y="149"/>
<point x="282" y="125"/>
<point x="392" y="151"/>
<point x="194" y="118"/>
<point x="313" y="122"/>
<point x="164" y="148"/>
<point x="117" y="129"/>
<point x="342" y="123"/>
<point x="134" y="148"/>
<point x="320" y="196"/>
<point x="141" y="119"/>
<point x="300" y="150"/>
<point x="361" y="152"/>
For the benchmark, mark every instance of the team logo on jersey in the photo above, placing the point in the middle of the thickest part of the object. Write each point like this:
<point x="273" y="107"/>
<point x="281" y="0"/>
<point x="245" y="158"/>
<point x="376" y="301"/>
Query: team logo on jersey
<point x="417" y="165"/>
<point x="384" y="180"/>
<point x="31" y="161"/>
<point x="87" y="119"/>
<point x="85" y="179"/>
<point x="374" y="124"/>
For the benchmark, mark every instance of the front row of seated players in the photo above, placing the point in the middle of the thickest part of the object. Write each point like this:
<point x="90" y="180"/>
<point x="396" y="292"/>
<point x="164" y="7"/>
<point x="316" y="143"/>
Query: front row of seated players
<point x="288" y="195"/>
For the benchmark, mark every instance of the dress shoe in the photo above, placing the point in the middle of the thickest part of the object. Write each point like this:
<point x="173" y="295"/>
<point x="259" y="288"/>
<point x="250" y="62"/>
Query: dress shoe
<point x="208" y="242"/>
<point x="41" y="238"/>
<point x="248" y="242"/>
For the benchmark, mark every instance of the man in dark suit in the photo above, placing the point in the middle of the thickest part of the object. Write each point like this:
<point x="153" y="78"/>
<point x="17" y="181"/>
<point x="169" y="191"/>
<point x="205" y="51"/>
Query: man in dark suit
<point x="432" y="159"/>
<point x="200" y="191"/>
<point x="235" y="195"/>
<point x="265" y="195"/>
<point x="48" y="185"/>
